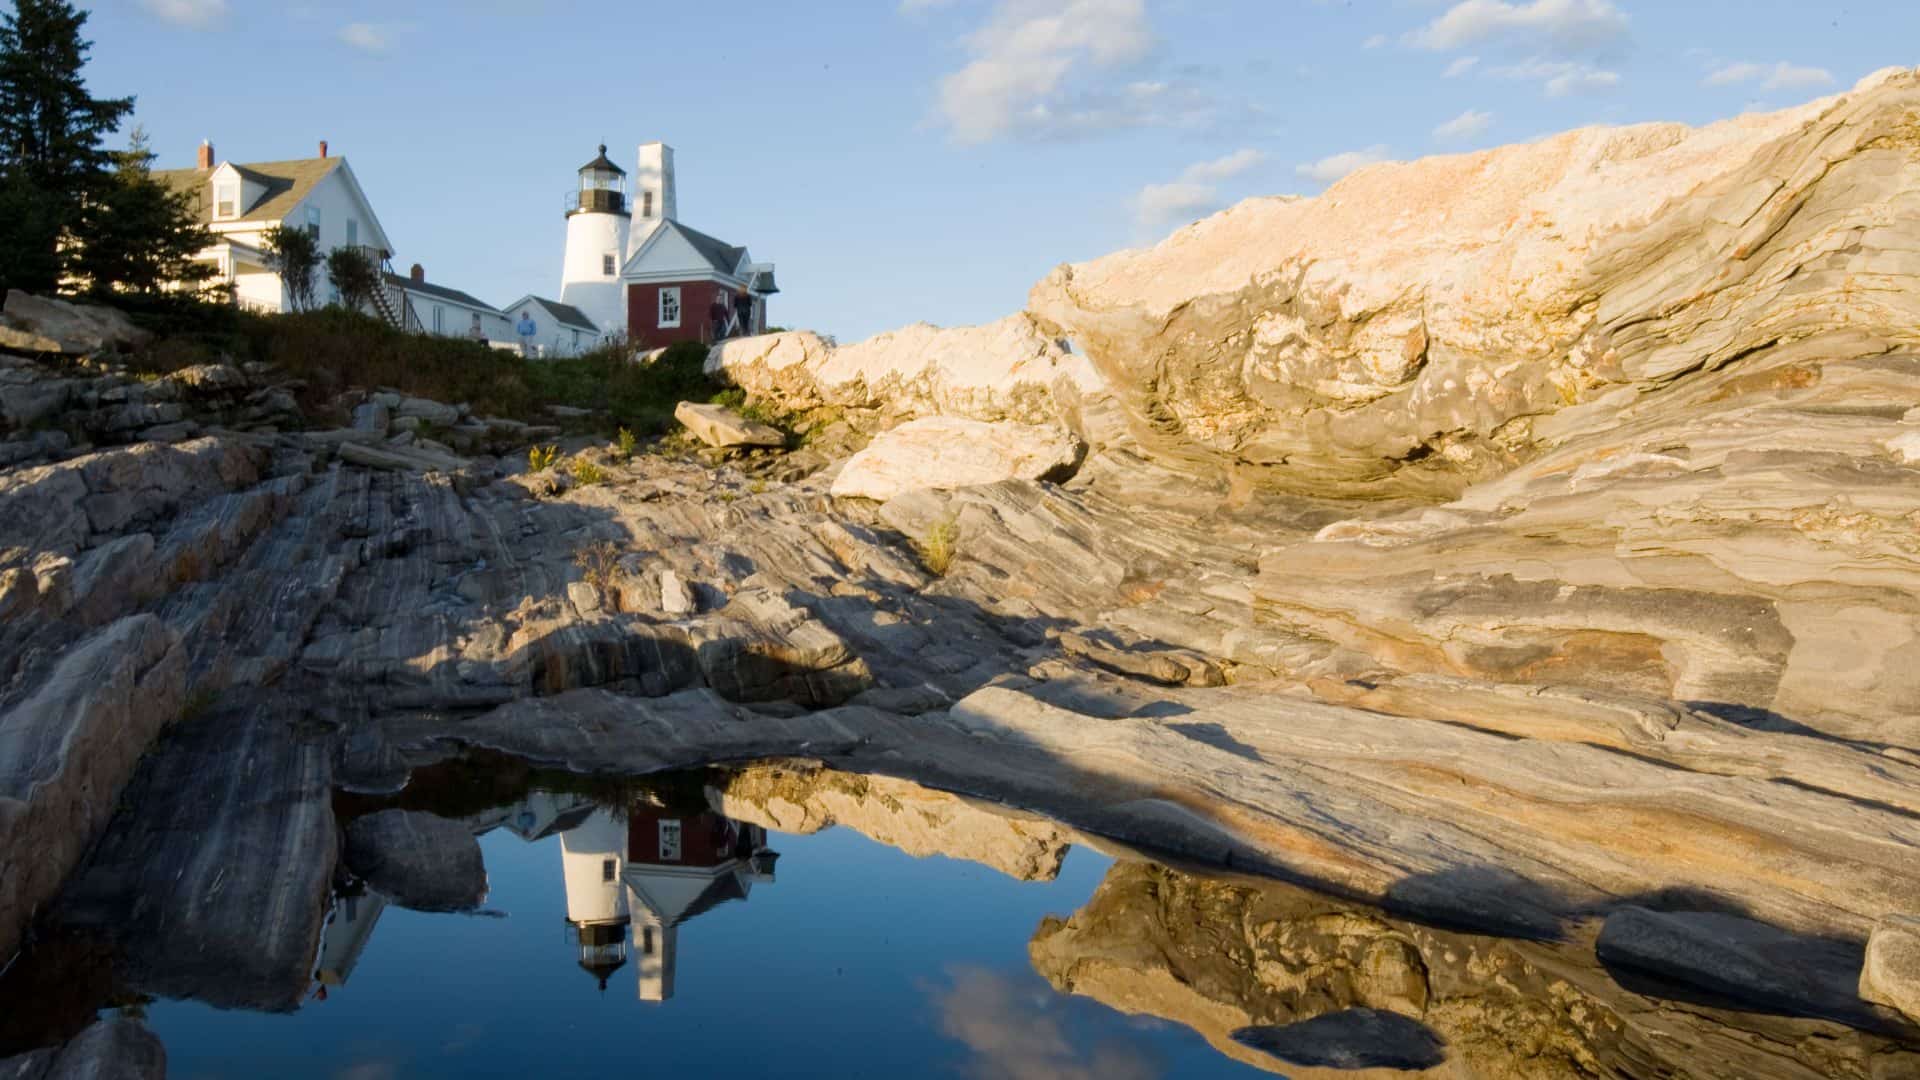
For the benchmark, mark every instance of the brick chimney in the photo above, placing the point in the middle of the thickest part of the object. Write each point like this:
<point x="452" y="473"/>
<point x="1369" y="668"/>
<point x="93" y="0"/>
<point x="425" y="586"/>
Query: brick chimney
<point x="206" y="156"/>
<point x="418" y="274"/>
<point x="323" y="148"/>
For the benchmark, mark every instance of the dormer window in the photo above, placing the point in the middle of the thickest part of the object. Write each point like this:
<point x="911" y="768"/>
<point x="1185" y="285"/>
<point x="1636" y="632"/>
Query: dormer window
<point x="226" y="199"/>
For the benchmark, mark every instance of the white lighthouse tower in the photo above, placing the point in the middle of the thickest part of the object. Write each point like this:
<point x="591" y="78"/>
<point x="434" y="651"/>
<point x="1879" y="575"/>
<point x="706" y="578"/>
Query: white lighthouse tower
<point x="598" y="221"/>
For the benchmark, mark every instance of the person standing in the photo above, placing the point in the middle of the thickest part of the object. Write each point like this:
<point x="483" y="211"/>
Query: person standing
<point x="526" y="328"/>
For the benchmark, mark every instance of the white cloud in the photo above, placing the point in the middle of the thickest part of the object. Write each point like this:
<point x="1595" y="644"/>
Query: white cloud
<point x="1022" y="58"/>
<point x="188" y="12"/>
<point x="1780" y="76"/>
<point x="1195" y="194"/>
<point x="1374" y="42"/>
<point x="1460" y="67"/>
<point x="371" y="37"/>
<point x="1329" y="169"/>
<point x="1561" y="78"/>
<point x="1465" y="126"/>
<point x="1562" y="26"/>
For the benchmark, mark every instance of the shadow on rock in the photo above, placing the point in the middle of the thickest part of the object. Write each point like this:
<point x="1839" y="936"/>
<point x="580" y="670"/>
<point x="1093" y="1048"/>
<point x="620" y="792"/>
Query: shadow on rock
<point x="1354" y="1039"/>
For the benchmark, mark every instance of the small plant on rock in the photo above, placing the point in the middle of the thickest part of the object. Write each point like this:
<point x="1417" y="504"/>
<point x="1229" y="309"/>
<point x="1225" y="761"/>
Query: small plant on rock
<point x="542" y="458"/>
<point x="586" y="473"/>
<point x="599" y="564"/>
<point x="940" y="545"/>
<point x="624" y="444"/>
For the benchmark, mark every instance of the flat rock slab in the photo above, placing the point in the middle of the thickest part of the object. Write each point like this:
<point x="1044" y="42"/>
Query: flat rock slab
<point x="1744" y="961"/>
<point x="1891" y="973"/>
<point x="718" y="427"/>
<point x="70" y="328"/>
<point x="952" y="452"/>
<point x="419" y="861"/>
<point x="1350" y="1039"/>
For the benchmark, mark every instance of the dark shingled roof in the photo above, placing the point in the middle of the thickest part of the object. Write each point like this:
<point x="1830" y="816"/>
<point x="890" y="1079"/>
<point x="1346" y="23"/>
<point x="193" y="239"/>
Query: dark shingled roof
<point x="719" y="254"/>
<point x="566" y="313"/>
<point x="440" y="291"/>
<point x="287" y="182"/>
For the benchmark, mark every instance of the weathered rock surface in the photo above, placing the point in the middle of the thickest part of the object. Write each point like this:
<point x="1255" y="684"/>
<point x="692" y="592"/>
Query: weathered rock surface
<point x="719" y="427"/>
<point x="951" y="452"/>
<point x="1891" y="974"/>
<point x="1743" y="961"/>
<point x="1348" y="1040"/>
<point x="417" y="860"/>
<point x="1418" y="325"/>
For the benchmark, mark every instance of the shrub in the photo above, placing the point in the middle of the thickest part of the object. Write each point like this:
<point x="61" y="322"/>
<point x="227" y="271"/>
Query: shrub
<point x="586" y="473"/>
<point x="940" y="545"/>
<point x="624" y="444"/>
<point x="542" y="458"/>
<point x="599" y="564"/>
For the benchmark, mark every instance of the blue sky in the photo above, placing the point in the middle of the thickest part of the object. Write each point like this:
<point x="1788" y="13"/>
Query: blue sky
<point x="927" y="159"/>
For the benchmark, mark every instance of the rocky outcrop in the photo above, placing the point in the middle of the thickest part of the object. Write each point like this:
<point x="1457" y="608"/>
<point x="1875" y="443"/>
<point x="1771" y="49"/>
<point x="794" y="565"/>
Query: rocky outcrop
<point x="1006" y="370"/>
<point x="36" y="324"/>
<point x="417" y="860"/>
<point x="1420" y="326"/>
<point x="951" y="452"/>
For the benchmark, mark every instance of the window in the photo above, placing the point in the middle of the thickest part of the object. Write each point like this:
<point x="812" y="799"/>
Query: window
<point x="439" y="319"/>
<point x="606" y="870"/>
<point x="669" y="307"/>
<point x="353" y="232"/>
<point x="313" y="222"/>
<point x="646" y="204"/>
<point x="226" y="200"/>
<point x="606" y="264"/>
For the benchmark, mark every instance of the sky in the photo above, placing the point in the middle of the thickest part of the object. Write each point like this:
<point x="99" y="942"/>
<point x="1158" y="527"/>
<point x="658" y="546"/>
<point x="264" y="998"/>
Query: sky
<point x="906" y="160"/>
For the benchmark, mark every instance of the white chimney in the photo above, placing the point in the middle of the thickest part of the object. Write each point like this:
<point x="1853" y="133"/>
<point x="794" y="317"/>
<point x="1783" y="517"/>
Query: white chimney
<point x="653" y="184"/>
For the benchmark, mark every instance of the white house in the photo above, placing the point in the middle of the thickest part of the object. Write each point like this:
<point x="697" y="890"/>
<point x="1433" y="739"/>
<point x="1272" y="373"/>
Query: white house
<point x="558" y="329"/>
<point x="414" y="303"/>
<point x="638" y="272"/>
<point x="239" y="203"/>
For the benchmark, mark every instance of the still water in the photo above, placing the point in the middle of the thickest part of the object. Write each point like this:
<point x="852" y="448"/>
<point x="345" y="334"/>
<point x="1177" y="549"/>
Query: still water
<point x="604" y="951"/>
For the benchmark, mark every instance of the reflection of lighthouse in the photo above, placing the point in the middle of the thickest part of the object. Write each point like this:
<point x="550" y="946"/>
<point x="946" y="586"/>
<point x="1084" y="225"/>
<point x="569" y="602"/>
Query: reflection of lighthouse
<point x="590" y="856"/>
<point x="659" y="870"/>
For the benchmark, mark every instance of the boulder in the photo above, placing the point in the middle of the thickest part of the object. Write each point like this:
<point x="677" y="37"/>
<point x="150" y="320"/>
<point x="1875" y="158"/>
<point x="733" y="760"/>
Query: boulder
<point x="432" y="412"/>
<point x="718" y="427"/>
<point x="1005" y="370"/>
<point x="952" y="452"/>
<point x="120" y="1048"/>
<point x="41" y="324"/>
<point x="419" y="861"/>
<point x="1891" y="974"/>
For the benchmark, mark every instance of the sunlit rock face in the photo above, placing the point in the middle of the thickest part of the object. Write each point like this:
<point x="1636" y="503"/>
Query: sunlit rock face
<point x="798" y="798"/>
<point x="1418" y="325"/>
<point x="1221" y="957"/>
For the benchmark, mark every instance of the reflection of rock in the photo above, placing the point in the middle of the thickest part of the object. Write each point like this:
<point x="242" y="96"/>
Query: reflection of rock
<point x="116" y="1049"/>
<point x="797" y="798"/>
<point x="1350" y="1039"/>
<point x="419" y="861"/>
<point x="1219" y="956"/>
<point x="1742" y="960"/>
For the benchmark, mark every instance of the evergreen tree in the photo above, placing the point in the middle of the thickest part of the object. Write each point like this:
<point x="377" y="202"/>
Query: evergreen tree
<point x="138" y="235"/>
<point x="52" y="162"/>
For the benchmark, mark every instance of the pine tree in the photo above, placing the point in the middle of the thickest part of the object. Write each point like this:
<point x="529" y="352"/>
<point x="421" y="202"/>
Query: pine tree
<point x="138" y="235"/>
<point x="52" y="161"/>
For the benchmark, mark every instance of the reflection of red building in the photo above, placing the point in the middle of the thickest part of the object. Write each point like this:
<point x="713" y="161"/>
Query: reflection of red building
<point x="665" y="867"/>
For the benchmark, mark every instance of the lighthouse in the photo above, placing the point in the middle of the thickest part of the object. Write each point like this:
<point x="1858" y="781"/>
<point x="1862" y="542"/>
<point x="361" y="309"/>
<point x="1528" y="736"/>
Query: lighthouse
<point x="598" y="222"/>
